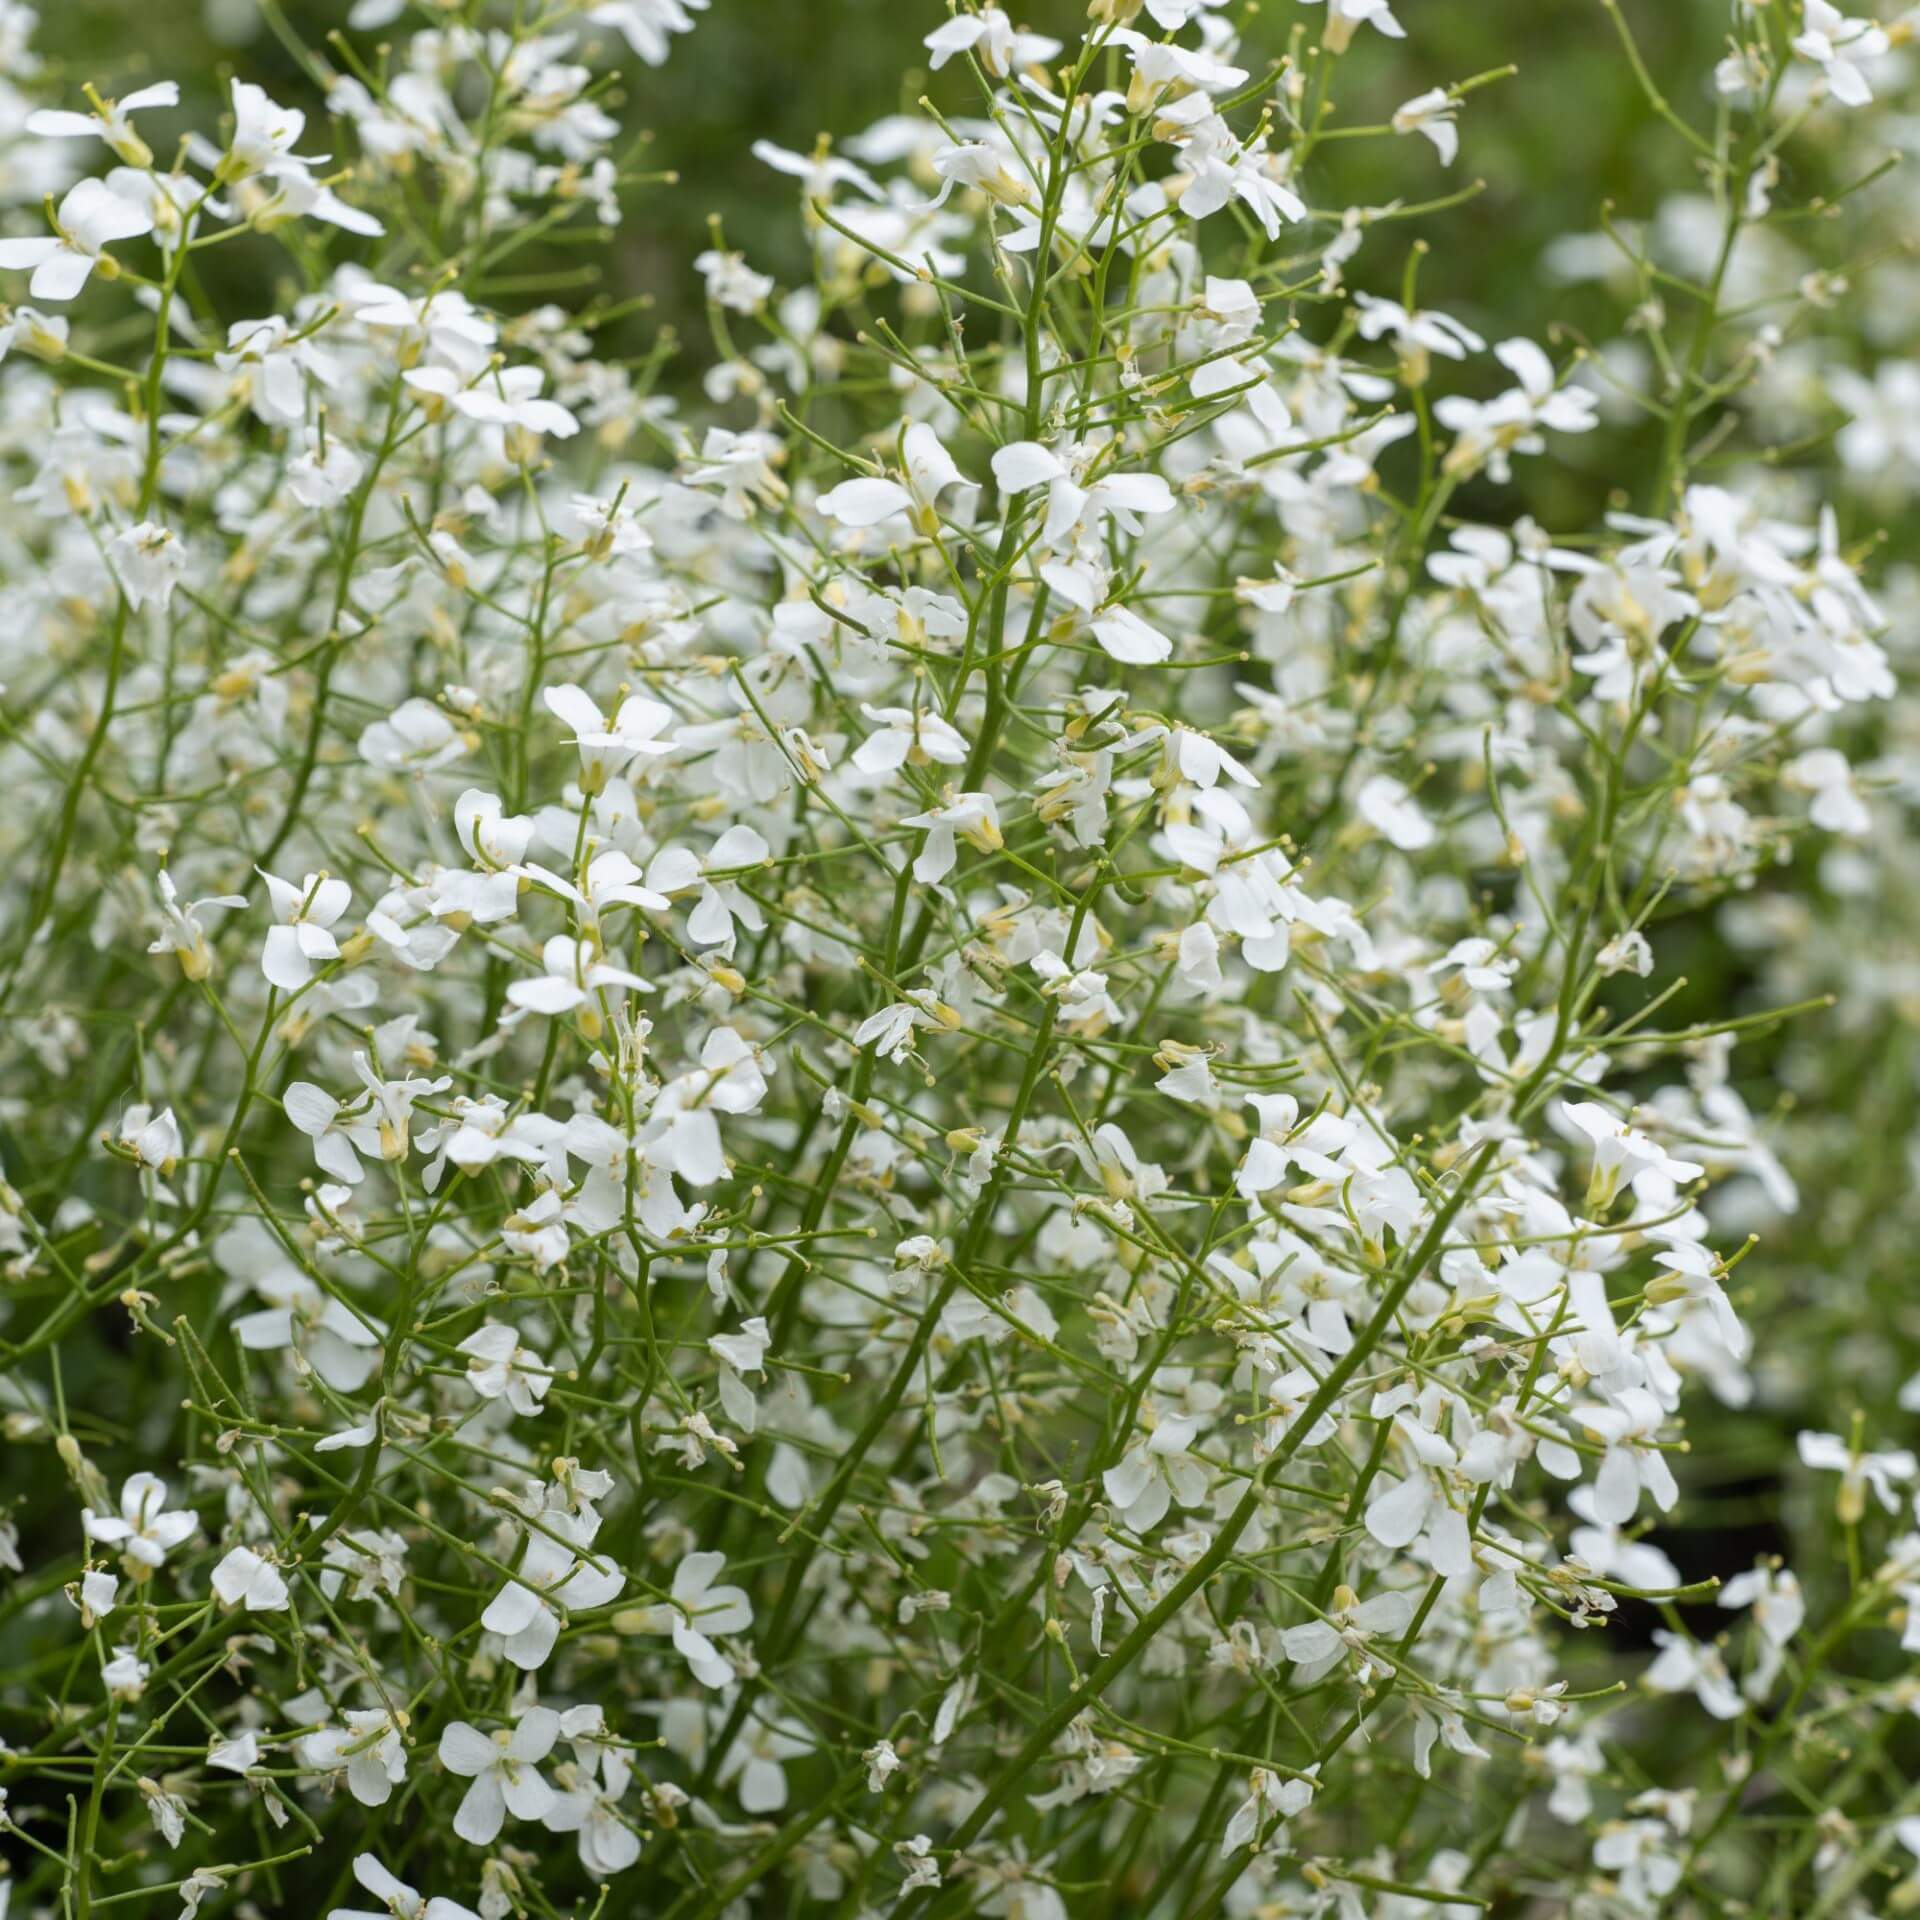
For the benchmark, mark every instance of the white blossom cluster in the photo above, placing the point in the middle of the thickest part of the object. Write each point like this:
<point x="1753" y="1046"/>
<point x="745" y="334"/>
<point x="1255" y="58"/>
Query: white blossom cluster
<point x="918" y="1131"/>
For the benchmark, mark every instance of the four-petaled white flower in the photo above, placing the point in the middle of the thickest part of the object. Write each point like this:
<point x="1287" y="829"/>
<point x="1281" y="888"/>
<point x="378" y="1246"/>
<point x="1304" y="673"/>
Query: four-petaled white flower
<point x="694" y="1612"/>
<point x="575" y="972"/>
<point x="304" y="914"/>
<point x="370" y="1750"/>
<point x="587" y="1803"/>
<point x="504" y="1767"/>
<point x="1621" y="1155"/>
<point x="1859" y="1469"/>
<point x="1350" y="1626"/>
<point x="907" y="736"/>
<point x="144" y="1529"/>
<point x="554" y="1578"/>
<point x="1836" y="44"/>
<point x="244" y="1578"/>
<point x="610" y="746"/>
<point x="499" y="1367"/>
<point x="91" y="218"/>
<point x="1488" y="433"/>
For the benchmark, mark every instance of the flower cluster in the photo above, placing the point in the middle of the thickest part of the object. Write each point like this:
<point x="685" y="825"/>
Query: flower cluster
<point x="918" y="1129"/>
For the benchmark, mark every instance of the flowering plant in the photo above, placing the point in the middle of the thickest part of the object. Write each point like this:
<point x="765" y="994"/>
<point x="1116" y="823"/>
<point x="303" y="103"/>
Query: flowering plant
<point x="912" y="1126"/>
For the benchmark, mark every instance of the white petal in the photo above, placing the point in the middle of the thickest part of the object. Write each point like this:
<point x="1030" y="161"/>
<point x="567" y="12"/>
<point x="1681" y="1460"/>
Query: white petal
<point x="1024" y="464"/>
<point x="865" y="502"/>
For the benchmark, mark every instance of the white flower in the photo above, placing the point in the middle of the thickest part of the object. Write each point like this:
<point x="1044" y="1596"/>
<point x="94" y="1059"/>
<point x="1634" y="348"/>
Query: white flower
<point x="590" y="1808"/>
<point x="269" y="361"/>
<point x="181" y="933"/>
<point x="378" y="1124"/>
<point x="1621" y="1156"/>
<point x="505" y="1771"/>
<point x="1483" y="967"/>
<point x="731" y="283"/>
<point x="91" y="218"/>
<point x="1125" y="637"/>
<point x="1220" y="168"/>
<point x="1197" y="758"/>
<point x="722" y="902"/>
<point x="499" y="1367"/>
<point x="1405" y="1509"/>
<point x="1154" y="1473"/>
<point x="907" y="736"/>
<point x="1489" y="432"/>
<point x="398" y="1901"/>
<point x="741" y="1353"/>
<point x="263" y="132"/>
<point x="1074" y="500"/>
<point x="891" y="1030"/>
<point x="756" y="1761"/>
<point x="694" y="1610"/>
<point x="244" y="1578"/>
<point x="305" y="913"/>
<point x="1837" y="806"/>
<point x="929" y="471"/>
<point x="1159" y="64"/>
<point x="415" y="738"/>
<point x="166" y="1810"/>
<point x="1431" y="113"/>
<point x="1350" y="1626"/>
<point x="1858" y="1470"/>
<point x="1393" y="813"/>
<point x="1417" y="336"/>
<point x="111" y="121"/>
<point x="611" y="879"/>
<point x="882" y="1763"/>
<point x="984" y="166"/>
<point x="342" y="1347"/>
<point x="505" y="397"/>
<point x="149" y="561"/>
<point x="647" y="23"/>
<point x="125" y="1675"/>
<point x="494" y="839"/>
<point x="574" y="974"/>
<point x="197" y="1885"/>
<point x="1687" y="1666"/>
<point x="237" y="1755"/>
<point x="99" y="1595"/>
<point x="606" y="746"/>
<point x="865" y="501"/>
<point x="1779" y="1610"/>
<point x="1270" y="1797"/>
<point x="553" y="1578"/>
<point x="1627" y="952"/>
<point x="143" y="1530"/>
<point x="1633" y="1460"/>
<point x="922" y="1870"/>
<point x="322" y="478"/>
<point x="1344" y="17"/>
<point x="992" y="39"/>
<point x="370" y="1749"/>
<point x="970" y="816"/>
<point x="1835" y="44"/>
<point x="444" y="322"/>
<point x="151" y="1138"/>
